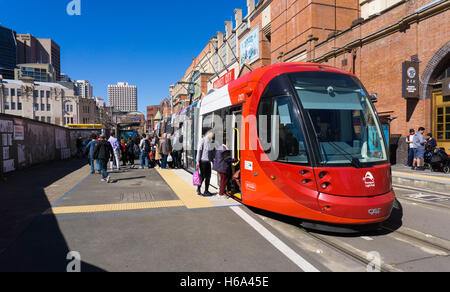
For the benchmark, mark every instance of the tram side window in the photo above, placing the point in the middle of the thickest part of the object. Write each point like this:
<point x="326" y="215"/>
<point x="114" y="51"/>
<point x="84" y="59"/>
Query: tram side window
<point x="280" y="132"/>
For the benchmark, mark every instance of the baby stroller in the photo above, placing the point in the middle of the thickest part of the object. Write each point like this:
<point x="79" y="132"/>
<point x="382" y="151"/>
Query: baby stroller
<point x="439" y="161"/>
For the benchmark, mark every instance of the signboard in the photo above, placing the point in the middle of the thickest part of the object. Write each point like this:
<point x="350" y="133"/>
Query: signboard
<point x="224" y="80"/>
<point x="132" y="118"/>
<point x="19" y="133"/>
<point x="446" y="87"/>
<point x="195" y="88"/>
<point x="411" y="81"/>
<point x="249" y="46"/>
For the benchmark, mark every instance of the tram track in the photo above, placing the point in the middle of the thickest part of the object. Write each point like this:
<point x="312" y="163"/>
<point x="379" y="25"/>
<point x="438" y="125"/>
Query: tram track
<point x="361" y="255"/>
<point x="353" y="254"/>
<point x="410" y="236"/>
<point x="421" y="190"/>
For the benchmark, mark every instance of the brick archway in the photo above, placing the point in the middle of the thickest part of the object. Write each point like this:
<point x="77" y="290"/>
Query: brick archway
<point x="438" y="60"/>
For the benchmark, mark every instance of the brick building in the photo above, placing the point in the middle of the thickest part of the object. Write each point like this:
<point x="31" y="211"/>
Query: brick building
<point x="370" y="38"/>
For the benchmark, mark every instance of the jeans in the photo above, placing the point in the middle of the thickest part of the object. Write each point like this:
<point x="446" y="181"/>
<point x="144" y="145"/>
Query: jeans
<point x="103" y="168"/>
<point x="144" y="156"/>
<point x="97" y="161"/>
<point x="91" y="162"/>
<point x="164" y="161"/>
<point x="410" y="157"/>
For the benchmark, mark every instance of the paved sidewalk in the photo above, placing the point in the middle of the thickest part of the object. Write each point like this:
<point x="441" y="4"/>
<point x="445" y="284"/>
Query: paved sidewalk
<point x="426" y="180"/>
<point x="26" y="194"/>
<point x="146" y="220"/>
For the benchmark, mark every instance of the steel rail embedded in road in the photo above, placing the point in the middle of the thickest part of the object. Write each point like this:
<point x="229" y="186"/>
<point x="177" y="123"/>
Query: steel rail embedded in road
<point x="418" y="239"/>
<point x="383" y="268"/>
<point x="421" y="190"/>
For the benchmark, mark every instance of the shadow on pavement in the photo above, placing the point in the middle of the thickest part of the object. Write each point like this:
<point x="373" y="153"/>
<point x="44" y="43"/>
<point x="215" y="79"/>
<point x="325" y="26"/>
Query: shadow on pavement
<point x="394" y="223"/>
<point x="31" y="242"/>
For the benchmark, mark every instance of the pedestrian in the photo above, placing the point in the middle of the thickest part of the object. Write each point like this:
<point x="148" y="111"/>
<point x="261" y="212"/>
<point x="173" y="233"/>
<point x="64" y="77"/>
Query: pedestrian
<point x="410" y="143"/>
<point x="103" y="151"/>
<point x="205" y="156"/>
<point x="222" y="164"/>
<point x="116" y="151"/>
<point x="419" y="150"/>
<point x="158" y="155"/>
<point x="431" y="142"/>
<point x="177" y="149"/>
<point x="123" y="148"/>
<point x="79" y="145"/>
<point x="165" y="149"/>
<point x="144" y="147"/>
<point x="90" y="152"/>
<point x="131" y="152"/>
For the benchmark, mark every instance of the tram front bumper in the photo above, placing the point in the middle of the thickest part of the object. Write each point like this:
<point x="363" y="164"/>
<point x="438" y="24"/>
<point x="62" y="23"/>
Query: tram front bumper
<point x="363" y="210"/>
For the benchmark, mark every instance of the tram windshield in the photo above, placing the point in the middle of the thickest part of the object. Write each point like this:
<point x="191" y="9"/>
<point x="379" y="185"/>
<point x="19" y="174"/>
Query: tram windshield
<point x="344" y="122"/>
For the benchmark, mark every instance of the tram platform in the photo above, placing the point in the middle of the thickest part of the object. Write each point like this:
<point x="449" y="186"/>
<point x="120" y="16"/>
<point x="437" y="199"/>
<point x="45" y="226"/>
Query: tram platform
<point x="427" y="180"/>
<point x="145" y="220"/>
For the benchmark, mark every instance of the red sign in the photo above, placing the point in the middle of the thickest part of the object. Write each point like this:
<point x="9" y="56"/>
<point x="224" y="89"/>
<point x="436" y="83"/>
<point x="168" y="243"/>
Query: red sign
<point x="224" y="80"/>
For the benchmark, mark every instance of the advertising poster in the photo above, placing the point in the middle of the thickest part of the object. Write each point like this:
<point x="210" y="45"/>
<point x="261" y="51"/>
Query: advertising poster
<point x="250" y="47"/>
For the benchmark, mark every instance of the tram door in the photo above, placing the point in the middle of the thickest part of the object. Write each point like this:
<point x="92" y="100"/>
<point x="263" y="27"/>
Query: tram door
<point x="235" y="146"/>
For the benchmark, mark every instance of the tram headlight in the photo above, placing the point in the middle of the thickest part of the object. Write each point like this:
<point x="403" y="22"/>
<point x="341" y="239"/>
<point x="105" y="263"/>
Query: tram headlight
<point x="325" y="185"/>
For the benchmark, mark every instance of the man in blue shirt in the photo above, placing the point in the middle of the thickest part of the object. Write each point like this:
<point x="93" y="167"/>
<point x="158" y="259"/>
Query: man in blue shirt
<point x="90" y="151"/>
<point x="419" y="149"/>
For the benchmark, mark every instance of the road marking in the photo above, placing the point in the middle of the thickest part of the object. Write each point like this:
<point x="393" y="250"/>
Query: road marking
<point x="184" y="191"/>
<point x="367" y="238"/>
<point x="113" y="207"/>
<point x="275" y="241"/>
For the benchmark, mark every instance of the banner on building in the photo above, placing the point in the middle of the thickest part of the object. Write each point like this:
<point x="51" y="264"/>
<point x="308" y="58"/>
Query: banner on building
<point x="249" y="46"/>
<point x="411" y="80"/>
<point x="224" y="80"/>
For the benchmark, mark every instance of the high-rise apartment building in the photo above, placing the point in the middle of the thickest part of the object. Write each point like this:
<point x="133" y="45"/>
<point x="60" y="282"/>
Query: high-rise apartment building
<point x="8" y="52"/>
<point x="36" y="50"/>
<point x="123" y="97"/>
<point x="84" y="89"/>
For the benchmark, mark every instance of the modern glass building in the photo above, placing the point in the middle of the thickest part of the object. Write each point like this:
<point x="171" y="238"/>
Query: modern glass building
<point x="8" y="52"/>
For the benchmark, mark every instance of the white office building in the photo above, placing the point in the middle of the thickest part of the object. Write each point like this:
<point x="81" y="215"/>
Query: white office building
<point x="123" y="97"/>
<point x="84" y="89"/>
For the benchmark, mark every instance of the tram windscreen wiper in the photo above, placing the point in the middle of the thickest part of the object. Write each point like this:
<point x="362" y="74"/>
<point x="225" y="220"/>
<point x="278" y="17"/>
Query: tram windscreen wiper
<point x="355" y="162"/>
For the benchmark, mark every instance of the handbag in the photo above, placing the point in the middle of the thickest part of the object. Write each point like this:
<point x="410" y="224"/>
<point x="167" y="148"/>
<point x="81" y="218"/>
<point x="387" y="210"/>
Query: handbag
<point x="197" y="179"/>
<point x="169" y="158"/>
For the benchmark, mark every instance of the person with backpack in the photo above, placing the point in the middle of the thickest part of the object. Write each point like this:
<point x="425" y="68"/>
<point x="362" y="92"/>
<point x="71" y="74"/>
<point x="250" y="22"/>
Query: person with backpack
<point x="103" y="151"/>
<point x="222" y="164"/>
<point x="145" y="148"/>
<point x="131" y="150"/>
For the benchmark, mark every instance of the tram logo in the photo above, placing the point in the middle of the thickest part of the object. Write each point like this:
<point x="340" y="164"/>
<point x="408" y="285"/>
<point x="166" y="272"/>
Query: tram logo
<point x="369" y="180"/>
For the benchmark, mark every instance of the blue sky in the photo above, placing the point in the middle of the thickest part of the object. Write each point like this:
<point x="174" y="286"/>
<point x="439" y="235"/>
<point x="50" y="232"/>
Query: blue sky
<point x="146" y="43"/>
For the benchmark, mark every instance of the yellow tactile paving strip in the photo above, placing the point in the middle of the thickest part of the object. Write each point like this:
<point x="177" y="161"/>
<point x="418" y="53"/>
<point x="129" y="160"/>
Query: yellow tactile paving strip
<point x="421" y="176"/>
<point x="184" y="191"/>
<point x="114" y="207"/>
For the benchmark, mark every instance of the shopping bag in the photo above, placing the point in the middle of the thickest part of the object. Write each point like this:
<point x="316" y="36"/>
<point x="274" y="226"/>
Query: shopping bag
<point x="169" y="158"/>
<point x="197" y="179"/>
